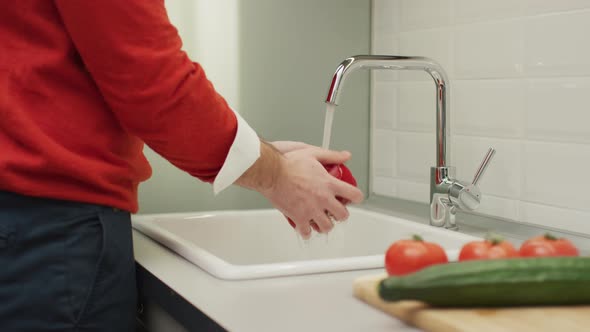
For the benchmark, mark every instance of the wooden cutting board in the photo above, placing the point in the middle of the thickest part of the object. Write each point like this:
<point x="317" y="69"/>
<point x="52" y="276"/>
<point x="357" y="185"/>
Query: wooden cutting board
<point x="533" y="319"/>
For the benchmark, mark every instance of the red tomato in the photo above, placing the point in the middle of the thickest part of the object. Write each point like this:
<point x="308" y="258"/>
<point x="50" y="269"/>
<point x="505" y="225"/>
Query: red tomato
<point x="341" y="172"/>
<point x="548" y="245"/>
<point x="407" y="256"/>
<point x="487" y="249"/>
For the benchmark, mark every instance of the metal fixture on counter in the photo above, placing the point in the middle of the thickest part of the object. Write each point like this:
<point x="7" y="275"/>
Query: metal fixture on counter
<point x="447" y="194"/>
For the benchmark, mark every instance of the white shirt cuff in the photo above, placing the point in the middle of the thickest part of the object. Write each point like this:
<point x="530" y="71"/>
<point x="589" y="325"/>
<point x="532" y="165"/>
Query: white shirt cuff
<point x="244" y="151"/>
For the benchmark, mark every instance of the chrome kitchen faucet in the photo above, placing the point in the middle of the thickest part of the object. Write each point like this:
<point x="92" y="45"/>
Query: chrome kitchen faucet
<point x="447" y="194"/>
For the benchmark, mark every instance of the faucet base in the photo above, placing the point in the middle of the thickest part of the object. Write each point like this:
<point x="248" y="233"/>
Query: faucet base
<point x="452" y="228"/>
<point x="442" y="210"/>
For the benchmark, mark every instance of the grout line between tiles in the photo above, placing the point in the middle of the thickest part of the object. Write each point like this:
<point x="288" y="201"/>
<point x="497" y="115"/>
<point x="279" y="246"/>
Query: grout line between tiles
<point x="497" y="20"/>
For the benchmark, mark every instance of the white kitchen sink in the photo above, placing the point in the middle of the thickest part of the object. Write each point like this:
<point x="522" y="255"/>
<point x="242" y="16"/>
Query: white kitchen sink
<point x="252" y="244"/>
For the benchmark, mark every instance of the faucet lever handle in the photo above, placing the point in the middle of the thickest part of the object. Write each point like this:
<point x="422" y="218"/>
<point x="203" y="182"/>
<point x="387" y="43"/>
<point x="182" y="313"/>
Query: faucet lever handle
<point x="468" y="196"/>
<point x="483" y="166"/>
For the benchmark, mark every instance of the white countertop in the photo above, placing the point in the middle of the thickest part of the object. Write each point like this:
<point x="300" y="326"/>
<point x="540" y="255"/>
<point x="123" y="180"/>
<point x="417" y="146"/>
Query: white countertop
<point x="320" y="302"/>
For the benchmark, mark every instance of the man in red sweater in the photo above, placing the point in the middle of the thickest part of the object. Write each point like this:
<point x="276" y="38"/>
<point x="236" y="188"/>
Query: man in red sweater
<point x="83" y="85"/>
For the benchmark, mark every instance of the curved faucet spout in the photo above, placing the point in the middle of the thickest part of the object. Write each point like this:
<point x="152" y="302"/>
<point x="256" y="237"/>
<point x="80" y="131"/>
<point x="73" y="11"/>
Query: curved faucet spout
<point x="394" y="62"/>
<point x="447" y="194"/>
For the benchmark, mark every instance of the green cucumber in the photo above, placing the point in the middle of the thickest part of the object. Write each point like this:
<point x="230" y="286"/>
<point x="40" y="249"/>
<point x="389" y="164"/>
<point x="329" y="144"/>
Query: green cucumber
<point x="495" y="283"/>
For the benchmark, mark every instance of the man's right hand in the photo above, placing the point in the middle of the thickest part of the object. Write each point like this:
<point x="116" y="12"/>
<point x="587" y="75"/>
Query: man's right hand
<point x="298" y="185"/>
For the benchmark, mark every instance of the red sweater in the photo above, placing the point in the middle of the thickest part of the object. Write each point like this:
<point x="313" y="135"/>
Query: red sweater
<point x="83" y="84"/>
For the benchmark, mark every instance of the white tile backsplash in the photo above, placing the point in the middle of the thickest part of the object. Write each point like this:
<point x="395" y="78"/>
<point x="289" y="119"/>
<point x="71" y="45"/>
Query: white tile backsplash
<point x="424" y="14"/>
<point x="384" y="147"/>
<point x="385" y="15"/>
<point x="499" y="207"/>
<point x="385" y="43"/>
<point x="552" y="6"/>
<point x="519" y="81"/>
<point x="385" y="186"/>
<point x="413" y="191"/>
<point x="558" y="109"/>
<point x="384" y="39"/>
<point x="502" y="177"/>
<point x="433" y="43"/>
<point x="415" y="155"/>
<point x="555" y="174"/>
<point x="555" y="217"/>
<point x="557" y="45"/>
<point x="385" y="104"/>
<point x="417" y="105"/>
<point x="488" y="107"/>
<point x="468" y="11"/>
<point x="489" y="50"/>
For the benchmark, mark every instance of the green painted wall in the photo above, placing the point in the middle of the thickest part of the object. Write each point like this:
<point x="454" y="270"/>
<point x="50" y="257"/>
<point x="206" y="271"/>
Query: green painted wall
<point x="288" y="53"/>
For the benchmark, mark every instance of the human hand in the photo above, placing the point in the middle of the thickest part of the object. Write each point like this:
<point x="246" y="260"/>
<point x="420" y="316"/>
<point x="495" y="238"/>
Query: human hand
<point x="306" y="193"/>
<point x="341" y="172"/>
<point x="289" y="146"/>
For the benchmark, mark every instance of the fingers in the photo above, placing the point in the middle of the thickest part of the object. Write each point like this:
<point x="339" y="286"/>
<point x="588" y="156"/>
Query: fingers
<point x="331" y="206"/>
<point x="337" y="210"/>
<point x="324" y="156"/>
<point x="288" y="146"/>
<point x="347" y="191"/>
<point x="304" y="229"/>
<point x="324" y="222"/>
<point x="330" y="156"/>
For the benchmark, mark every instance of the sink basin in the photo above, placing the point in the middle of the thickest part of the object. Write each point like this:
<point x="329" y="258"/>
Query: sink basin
<point x="251" y="244"/>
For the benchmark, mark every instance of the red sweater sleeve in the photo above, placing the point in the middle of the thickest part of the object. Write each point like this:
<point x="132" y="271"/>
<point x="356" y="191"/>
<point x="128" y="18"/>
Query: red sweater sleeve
<point x="134" y="55"/>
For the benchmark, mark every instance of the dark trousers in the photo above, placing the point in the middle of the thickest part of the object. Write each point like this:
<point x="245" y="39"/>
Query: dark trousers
<point x="65" y="266"/>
